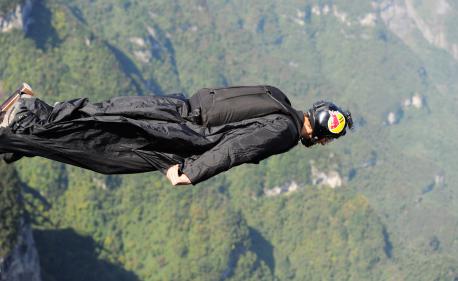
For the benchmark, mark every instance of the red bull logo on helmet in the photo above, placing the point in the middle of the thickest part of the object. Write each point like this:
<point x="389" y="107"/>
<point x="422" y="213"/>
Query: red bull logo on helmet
<point x="336" y="122"/>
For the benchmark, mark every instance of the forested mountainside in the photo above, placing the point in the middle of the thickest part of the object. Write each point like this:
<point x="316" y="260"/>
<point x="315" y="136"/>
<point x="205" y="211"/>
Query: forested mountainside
<point x="380" y="204"/>
<point x="10" y="210"/>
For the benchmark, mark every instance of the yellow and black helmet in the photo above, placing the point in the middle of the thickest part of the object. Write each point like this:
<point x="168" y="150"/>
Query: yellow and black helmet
<point x="327" y="121"/>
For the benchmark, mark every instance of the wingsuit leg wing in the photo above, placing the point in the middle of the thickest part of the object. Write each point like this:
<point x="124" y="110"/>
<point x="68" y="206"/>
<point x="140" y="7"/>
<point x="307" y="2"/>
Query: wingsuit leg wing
<point x="121" y="135"/>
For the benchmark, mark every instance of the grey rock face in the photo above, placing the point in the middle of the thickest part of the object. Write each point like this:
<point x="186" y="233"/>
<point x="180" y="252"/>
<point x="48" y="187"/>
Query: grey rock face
<point x="405" y="20"/>
<point x="23" y="263"/>
<point x="17" y="19"/>
<point x="330" y="178"/>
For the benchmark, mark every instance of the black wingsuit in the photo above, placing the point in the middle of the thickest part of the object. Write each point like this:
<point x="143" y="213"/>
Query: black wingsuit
<point x="145" y="133"/>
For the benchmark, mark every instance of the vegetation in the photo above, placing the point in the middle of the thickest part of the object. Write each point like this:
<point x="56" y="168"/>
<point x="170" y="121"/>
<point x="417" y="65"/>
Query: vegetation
<point x="10" y="209"/>
<point x="390" y="218"/>
<point x="7" y="6"/>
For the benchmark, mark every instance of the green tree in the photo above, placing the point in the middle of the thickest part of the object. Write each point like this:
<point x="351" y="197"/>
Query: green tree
<point x="10" y="208"/>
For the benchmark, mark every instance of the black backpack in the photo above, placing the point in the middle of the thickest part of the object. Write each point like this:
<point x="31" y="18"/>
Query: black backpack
<point x="219" y="106"/>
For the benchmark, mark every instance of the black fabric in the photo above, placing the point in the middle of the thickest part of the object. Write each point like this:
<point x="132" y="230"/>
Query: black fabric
<point x="141" y="134"/>
<point x="218" y="106"/>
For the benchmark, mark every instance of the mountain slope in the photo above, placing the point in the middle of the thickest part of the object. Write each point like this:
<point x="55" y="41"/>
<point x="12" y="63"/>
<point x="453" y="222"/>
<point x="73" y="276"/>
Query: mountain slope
<point x="397" y="167"/>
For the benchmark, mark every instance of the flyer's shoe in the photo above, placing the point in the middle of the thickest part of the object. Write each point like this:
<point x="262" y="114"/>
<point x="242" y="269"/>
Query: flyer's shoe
<point x="7" y="109"/>
<point x="25" y="89"/>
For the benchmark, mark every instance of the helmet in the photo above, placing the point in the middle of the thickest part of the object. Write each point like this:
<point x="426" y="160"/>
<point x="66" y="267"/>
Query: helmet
<point x="327" y="121"/>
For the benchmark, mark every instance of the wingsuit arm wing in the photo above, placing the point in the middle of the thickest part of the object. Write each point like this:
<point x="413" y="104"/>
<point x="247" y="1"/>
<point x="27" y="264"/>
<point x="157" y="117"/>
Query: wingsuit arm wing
<point x="250" y="145"/>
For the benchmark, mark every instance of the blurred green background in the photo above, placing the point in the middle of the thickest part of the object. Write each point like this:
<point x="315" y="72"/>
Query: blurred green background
<point x="379" y="204"/>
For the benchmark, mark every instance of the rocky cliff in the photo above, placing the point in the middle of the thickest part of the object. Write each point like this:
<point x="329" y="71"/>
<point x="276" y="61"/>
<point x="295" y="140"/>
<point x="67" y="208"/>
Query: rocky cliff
<point x="430" y="19"/>
<point x="22" y="264"/>
<point x="18" y="255"/>
<point x="18" y="18"/>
